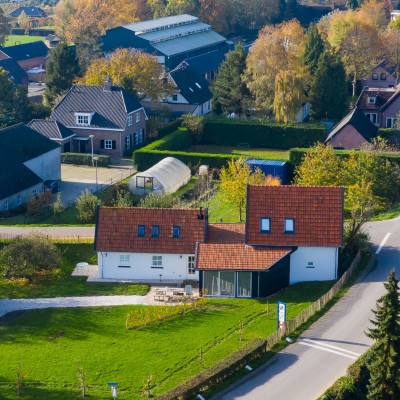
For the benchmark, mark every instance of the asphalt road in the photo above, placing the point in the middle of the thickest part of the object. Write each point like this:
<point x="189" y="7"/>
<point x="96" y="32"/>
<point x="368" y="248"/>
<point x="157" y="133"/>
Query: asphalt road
<point x="305" y="369"/>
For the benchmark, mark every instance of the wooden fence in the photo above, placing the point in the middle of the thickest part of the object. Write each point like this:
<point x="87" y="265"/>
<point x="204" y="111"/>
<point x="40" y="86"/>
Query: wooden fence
<point x="254" y="348"/>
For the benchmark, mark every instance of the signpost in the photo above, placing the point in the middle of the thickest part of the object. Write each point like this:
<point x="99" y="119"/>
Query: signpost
<point x="280" y="315"/>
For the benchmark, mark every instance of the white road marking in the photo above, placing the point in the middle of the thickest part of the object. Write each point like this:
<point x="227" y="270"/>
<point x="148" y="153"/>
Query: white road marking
<point x="378" y="250"/>
<point x="328" y="350"/>
<point x="332" y="347"/>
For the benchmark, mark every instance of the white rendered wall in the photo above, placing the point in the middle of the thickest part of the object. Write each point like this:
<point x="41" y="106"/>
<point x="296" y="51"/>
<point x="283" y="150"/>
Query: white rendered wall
<point x="174" y="267"/>
<point x="47" y="166"/>
<point x="313" y="264"/>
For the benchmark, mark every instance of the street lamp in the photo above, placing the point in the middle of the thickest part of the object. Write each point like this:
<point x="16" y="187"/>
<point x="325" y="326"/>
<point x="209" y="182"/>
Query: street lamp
<point x="113" y="386"/>
<point x="96" y="159"/>
<point x="91" y="140"/>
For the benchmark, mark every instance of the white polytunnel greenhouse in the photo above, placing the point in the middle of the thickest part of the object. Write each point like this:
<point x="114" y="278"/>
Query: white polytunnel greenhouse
<point x="167" y="176"/>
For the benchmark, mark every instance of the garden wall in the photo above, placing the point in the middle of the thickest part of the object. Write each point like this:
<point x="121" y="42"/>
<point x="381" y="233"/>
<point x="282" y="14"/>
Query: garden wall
<point x="234" y="132"/>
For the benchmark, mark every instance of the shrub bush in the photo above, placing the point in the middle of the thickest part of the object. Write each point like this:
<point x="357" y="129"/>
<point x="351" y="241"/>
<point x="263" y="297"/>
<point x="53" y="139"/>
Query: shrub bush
<point x="86" y="205"/>
<point x="84" y="159"/>
<point x="231" y="132"/>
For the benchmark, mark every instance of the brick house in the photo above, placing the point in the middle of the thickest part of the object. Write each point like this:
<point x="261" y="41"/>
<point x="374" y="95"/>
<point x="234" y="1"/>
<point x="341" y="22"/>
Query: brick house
<point x="382" y="76"/>
<point x="288" y="237"/>
<point x="107" y="117"/>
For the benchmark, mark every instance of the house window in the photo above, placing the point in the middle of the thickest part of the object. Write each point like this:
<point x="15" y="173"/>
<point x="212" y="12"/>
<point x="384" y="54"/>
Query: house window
<point x="174" y="97"/>
<point x="5" y="205"/>
<point x="83" y="118"/>
<point x="383" y="76"/>
<point x="371" y="100"/>
<point x="191" y="264"/>
<point x="219" y="283"/>
<point x="138" y="117"/>
<point x="127" y="142"/>
<point x="373" y="117"/>
<point x="141" y="230"/>
<point x="141" y="136"/>
<point x="374" y="76"/>
<point x="124" y="261"/>
<point x="157" y="262"/>
<point x="310" y="264"/>
<point x="391" y="122"/>
<point x="108" y="144"/>
<point x="265" y="225"/>
<point x="19" y="199"/>
<point x="155" y="231"/>
<point x="176" y="231"/>
<point x="289" y="225"/>
<point x="130" y="120"/>
<point x="136" y="138"/>
<point x="34" y="194"/>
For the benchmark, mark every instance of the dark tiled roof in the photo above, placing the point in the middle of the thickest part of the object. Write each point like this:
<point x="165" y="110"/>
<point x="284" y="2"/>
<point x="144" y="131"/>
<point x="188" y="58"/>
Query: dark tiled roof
<point x="225" y="249"/>
<point x="117" y="230"/>
<point x="16" y="73"/>
<point x="52" y="38"/>
<point x="193" y="86"/>
<point x="382" y="95"/>
<point x="359" y="121"/>
<point x="317" y="213"/>
<point x="207" y="62"/>
<point x="110" y="106"/>
<point x="26" y="51"/>
<point x="18" y="144"/>
<point x="51" y="129"/>
<point x="32" y="12"/>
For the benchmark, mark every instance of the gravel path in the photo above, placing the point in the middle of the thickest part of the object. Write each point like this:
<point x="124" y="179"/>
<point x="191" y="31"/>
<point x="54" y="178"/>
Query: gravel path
<point x="11" y="305"/>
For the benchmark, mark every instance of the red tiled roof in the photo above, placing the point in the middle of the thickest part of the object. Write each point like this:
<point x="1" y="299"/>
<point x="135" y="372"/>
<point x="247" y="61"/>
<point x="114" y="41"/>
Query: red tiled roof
<point x="225" y="249"/>
<point x="117" y="230"/>
<point x="317" y="213"/>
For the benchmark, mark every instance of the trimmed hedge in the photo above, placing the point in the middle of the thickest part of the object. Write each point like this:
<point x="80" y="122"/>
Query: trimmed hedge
<point x="167" y="129"/>
<point x="230" y="132"/>
<point x="84" y="159"/>
<point x="391" y="135"/>
<point x="173" y="145"/>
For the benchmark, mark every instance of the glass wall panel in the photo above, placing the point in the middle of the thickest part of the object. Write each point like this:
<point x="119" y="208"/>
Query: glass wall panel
<point x="244" y="284"/>
<point x="211" y="283"/>
<point x="227" y="283"/>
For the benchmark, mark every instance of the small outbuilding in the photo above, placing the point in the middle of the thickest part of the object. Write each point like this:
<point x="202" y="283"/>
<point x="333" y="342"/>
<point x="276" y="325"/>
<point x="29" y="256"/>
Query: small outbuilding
<point x="167" y="176"/>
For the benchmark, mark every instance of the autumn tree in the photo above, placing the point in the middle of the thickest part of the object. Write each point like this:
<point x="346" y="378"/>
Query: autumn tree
<point x="229" y="91"/>
<point x="278" y="48"/>
<point x="135" y="71"/>
<point x="4" y="27"/>
<point x="390" y="41"/>
<point x="384" y="383"/>
<point x="157" y="7"/>
<point x="234" y="180"/>
<point x="62" y="68"/>
<point x="325" y="102"/>
<point x="217" y="13"/>
<point x="176" y="7"/>
<point x="23" y="21"/>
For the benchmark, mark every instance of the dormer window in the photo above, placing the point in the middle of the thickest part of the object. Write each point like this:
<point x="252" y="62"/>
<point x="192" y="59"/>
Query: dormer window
<point x="289" y="225"/>
<point x="84" y="119"/>
<point x="374" y="76"/>
<point x="176" y="232"/>
<point x="383" y="76"/>
<point x="265" y="225"/>
<point x="371" y="100"/>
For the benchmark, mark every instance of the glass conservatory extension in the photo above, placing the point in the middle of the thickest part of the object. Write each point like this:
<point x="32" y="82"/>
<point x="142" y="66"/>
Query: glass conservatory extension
<point x="167" y="176"/>
<point x="227" y="283"/>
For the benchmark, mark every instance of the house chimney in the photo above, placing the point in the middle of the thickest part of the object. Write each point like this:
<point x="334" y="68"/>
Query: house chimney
<point x="107" y="84"/>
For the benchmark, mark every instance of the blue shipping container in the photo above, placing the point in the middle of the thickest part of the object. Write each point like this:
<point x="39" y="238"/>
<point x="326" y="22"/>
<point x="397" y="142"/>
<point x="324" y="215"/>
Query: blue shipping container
<point x="269" y="167"/>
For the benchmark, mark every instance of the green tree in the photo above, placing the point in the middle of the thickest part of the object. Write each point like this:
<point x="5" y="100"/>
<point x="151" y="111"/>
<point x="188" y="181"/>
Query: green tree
<point x="123" y="199"/>
<point x="62" y="68"/>
<point x="86" y="205"/>
<point x="32" y="257"/>
<point x="175" y="7"/>
<point x="314" y="47"/>
<point x="384" y="383"/>
<point x="153" y="200"/>
<point x="325" y="102"/>
<point x="58" y="206"/>
<point x="234" y="180"/>
<point x="4" y="27"/>
<point x="229" y="89"/>
<point x="21" y="108"/>
<point x="6" y="99"/>
<point x="195" y="124"/>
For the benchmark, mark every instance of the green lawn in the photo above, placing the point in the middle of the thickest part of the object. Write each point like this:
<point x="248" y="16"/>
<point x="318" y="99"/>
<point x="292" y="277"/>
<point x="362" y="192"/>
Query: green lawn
<point x="67" y="285"/>
<point x="218" y="209"/>
<point x="264" y="154"/>
<point x="51" y="343"/>
<point x="21" y="39"/>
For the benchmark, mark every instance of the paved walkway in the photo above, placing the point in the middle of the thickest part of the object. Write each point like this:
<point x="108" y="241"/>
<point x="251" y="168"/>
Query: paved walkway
<point x="11" y="305"/>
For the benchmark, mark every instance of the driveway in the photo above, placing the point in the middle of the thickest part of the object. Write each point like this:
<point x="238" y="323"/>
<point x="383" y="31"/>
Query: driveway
<point x="76" y="178"/>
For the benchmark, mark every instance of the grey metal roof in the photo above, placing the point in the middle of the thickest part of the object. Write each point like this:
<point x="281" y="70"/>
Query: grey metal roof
<point x="51" y="129"/>
<point x="110" y="107"/>
<point x="160" y="23"/>
<point x="168" y="34"/>
<point x="188" y="43"/>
